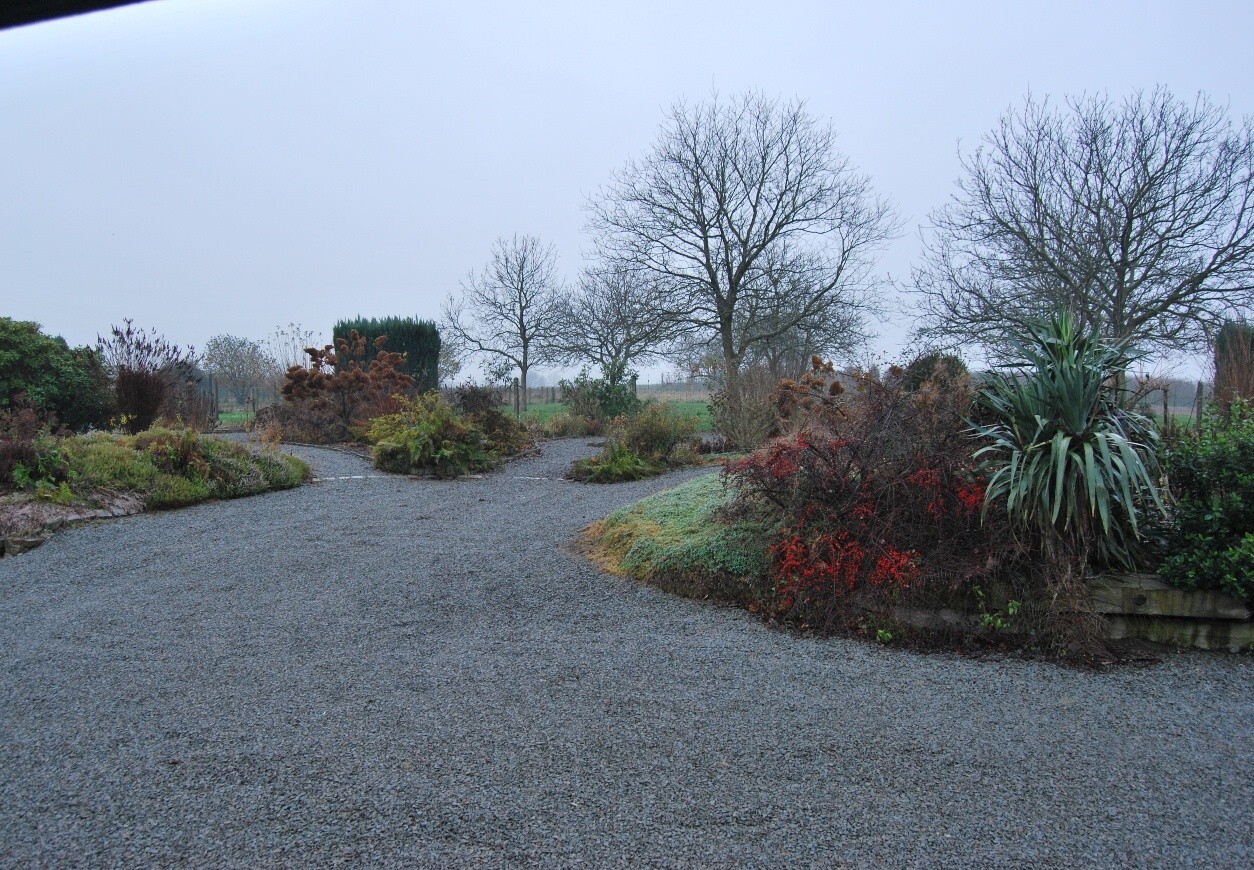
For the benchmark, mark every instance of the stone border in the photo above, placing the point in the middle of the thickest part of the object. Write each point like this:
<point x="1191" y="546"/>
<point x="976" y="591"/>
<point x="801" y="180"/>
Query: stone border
<point x="26" y="524"/>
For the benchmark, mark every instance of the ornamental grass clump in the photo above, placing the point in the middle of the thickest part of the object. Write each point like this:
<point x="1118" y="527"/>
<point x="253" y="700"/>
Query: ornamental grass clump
<point x="640" y="445"/>
<point x="567" y="425"/>
<point x="656" y="433"/>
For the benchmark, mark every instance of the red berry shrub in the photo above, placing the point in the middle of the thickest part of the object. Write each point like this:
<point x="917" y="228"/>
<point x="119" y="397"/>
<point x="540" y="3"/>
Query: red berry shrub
<point x="880" y="496"/>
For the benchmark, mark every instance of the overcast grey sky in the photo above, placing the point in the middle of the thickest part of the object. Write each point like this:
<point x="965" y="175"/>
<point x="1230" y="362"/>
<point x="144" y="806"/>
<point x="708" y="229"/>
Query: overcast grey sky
<point x="209" y="166"/>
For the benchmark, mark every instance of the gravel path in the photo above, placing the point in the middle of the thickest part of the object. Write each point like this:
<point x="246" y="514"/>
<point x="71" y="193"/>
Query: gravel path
<point x="384" y="671"/>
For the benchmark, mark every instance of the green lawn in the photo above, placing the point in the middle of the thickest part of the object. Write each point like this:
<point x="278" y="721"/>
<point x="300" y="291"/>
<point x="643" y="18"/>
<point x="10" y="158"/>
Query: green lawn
<point x="538" y="412"/>
<point x="698" y="408"/>
<point x="234" y="418"/>
<point x="541" y="412"/>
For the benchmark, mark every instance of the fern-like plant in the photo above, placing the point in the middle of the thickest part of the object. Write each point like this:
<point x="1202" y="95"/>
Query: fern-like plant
<point x="615" y="464"/>
<point x="1066" y="459"/>
<point x="427" y="436"/>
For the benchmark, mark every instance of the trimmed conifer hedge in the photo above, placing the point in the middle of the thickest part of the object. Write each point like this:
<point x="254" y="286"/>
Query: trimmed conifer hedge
<point x="419" y="340"/>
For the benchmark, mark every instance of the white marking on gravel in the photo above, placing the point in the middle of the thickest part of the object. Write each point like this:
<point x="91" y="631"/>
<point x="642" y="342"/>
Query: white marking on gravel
<point x="351" y="477"/>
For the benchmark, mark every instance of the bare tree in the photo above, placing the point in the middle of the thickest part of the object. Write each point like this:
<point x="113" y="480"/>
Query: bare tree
<point x="510" y="311"/>
<point x="287" y="346"/>
<point x="1138" y="216"/>
<point x="613" y="318"/>
<point x="835" y="336"/>
<point x="452" y="357"/>
<point x="739" y="206"/>
<point x="239" y="364"/>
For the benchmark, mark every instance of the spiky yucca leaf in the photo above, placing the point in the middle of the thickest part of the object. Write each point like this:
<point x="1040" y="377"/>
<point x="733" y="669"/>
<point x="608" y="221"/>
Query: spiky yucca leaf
<point x="1062" y="453"/>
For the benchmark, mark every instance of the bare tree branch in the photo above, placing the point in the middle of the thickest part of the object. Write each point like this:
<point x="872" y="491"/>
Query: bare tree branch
<point x="738" y="206"/>
<point x="613" y="318"/>
<point x="510" y="310"/>
<point x="239" y="364"/>
<point x="1137" y="216"/>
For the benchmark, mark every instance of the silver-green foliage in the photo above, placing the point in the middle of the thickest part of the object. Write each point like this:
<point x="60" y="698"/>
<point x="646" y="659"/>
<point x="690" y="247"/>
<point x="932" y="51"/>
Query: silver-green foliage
<point x="1063" y="455"/>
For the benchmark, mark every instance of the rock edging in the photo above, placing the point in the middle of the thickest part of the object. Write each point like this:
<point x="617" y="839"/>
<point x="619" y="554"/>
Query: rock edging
<point x="28" y="522"/>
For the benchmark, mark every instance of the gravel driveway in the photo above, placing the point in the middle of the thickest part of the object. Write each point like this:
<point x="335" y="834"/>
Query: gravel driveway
<point x="386" y="671"/>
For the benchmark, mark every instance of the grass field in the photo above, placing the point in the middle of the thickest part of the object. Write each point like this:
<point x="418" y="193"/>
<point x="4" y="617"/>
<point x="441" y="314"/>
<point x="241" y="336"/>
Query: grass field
<point x="541" y="412"/>
<point x="538" y="412"/>
<point x="698" y="408"/>
<point x="234" y="418"/>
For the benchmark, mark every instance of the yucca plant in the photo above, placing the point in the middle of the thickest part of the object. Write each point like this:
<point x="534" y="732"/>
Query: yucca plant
<point x="1065" y="458"/>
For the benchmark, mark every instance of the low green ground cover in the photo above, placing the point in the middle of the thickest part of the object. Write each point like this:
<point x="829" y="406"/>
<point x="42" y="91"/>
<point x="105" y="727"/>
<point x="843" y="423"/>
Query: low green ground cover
<point x="540" y="413"/>
<point x="685" y="540"/>
<point x="165" y="467"/>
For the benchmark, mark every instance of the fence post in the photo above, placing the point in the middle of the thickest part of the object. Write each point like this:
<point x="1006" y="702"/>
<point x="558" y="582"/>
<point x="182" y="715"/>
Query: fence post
<point x="633" y="384"/>
<point x="517" y="400"/>
<point x="1198" y="402"/>
<point x="1167" y="421"/>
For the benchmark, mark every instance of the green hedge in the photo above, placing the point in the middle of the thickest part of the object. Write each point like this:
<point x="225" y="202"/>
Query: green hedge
<point x="419" y="340"/>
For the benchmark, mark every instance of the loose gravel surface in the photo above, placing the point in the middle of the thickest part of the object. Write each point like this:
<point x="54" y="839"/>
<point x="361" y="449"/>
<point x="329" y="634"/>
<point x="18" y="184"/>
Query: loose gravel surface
<point x="383" y="671"/>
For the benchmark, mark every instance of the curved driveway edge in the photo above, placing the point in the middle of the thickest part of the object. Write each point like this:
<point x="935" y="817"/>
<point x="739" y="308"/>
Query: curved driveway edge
<point x="378" y="670"/>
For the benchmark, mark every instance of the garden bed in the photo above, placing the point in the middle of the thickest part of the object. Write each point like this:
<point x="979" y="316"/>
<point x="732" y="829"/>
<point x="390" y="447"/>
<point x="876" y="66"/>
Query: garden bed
<point x="684" y="541"/>
<point x="102" y="476"/>
<point x="27" y="521"/>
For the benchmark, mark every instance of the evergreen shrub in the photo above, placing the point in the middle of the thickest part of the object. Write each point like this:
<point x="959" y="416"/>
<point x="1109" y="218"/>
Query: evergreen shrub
<point x="599" y="399"/>
<point x="1210" y="543"/>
